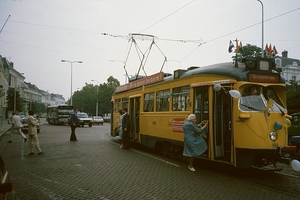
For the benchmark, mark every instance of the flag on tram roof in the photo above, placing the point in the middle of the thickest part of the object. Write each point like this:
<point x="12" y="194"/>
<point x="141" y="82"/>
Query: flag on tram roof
<point x="237" y="47"/>
<point x="270" y="50"/>
<point x="241" y="48"/>
<point x="274" y="50"/>
<point x="231" y="46"/>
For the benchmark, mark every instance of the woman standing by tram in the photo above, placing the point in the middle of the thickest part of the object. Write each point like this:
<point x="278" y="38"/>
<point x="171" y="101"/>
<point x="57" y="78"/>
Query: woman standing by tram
<point x="194" y="145"/>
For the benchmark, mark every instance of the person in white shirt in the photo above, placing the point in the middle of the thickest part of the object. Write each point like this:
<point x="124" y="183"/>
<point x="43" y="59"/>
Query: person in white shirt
<point x="17" y="125"/>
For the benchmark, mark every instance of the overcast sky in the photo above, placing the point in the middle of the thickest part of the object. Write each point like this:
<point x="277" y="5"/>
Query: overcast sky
<point x="41" y="33"/>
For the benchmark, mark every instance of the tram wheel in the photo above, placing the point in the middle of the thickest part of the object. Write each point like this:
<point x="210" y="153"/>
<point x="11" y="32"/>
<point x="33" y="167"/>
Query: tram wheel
<point x="165" y="148"/>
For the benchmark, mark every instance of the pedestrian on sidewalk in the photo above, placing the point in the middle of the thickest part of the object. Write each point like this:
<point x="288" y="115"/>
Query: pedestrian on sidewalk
<point x="16" y="126"/>
<point x="32" y="132"/>
<point x="73" y="124"/>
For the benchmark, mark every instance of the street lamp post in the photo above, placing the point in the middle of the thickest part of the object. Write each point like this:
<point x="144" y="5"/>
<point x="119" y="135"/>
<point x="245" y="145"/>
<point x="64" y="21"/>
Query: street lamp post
<point x="97" y="97"/>
<point x="71" y="74"/>
<point x="262" y="28"/>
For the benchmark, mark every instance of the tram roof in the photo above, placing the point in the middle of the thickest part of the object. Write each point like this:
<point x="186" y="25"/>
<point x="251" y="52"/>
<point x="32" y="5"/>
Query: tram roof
<point x="239" y="73"/>
<point x="222" y="69"/>
<point x="229" y="69"/>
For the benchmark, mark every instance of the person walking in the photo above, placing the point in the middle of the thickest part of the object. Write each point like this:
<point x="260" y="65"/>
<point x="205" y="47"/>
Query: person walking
<point x="32" y="132"/>
<point x="73" y="124"/>
<point x="16" y="125"/>
<point x="125" y="129"/>
<point x="194" y="144"/>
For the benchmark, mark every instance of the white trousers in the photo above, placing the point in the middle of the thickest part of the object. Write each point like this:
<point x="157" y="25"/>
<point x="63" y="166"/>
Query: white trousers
<point x="19" y="131"/>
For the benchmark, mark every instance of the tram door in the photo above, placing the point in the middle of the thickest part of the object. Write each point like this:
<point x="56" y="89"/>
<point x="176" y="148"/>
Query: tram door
<point x="222" y="106"/>
<point x="134" y="114"/>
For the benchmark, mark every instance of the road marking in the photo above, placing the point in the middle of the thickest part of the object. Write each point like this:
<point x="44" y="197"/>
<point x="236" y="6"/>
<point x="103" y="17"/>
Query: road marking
<point x="106" y="137"/>
<point x="159" y="159"/>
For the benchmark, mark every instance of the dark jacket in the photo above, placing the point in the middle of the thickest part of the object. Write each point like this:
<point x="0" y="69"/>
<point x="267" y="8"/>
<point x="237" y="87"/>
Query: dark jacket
<point x="74" y="120"/>
<point x="126" y="122"/>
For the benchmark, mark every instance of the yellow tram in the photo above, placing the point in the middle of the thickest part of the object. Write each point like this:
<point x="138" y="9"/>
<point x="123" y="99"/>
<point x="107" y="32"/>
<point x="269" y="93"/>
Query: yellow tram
<point x="245" y="104"/>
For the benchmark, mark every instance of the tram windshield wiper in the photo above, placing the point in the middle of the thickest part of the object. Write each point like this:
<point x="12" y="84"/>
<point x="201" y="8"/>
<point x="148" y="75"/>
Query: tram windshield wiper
<point x="279" y="107"/>
<point x="250" y="107"/>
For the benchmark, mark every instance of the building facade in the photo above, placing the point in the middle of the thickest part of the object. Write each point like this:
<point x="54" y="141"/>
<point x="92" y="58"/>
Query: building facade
<point x="290" y="67"/>
<point x="29" y="92"/>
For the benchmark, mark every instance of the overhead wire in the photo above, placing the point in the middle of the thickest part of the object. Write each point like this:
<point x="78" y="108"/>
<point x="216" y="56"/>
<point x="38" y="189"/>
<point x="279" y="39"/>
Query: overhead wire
<point x="167" y="16"/>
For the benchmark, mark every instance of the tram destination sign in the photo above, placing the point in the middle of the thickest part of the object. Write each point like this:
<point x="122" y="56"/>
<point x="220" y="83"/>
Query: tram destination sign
<point x="265" y="78"/>
<point x="141" y="82"/>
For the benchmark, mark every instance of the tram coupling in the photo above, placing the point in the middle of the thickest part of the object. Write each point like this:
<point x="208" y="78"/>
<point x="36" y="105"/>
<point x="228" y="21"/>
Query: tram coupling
<point x="286" y="154"/>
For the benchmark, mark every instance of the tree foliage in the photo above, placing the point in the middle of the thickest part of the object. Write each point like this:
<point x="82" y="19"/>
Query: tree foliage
<point x="293" y="95"/>
<point x="10" y="100"/>
<point x="248" y="50"/>
<point x="39" y="108"/>
<point x="86" y="99"/>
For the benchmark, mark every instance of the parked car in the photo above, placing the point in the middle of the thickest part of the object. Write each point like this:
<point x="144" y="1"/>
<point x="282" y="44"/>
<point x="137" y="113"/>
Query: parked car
<point x="98" y="120"/>
<point x="25" y="126"/>
<point x="84" y="119"/>
<point x="106" y="119"/>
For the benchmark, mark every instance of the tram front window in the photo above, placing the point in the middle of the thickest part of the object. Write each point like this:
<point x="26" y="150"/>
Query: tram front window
<point x="255" y="98"/>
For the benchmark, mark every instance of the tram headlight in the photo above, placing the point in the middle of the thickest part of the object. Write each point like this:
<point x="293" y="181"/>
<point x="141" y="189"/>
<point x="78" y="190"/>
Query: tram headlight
<point x="273" y="136"/>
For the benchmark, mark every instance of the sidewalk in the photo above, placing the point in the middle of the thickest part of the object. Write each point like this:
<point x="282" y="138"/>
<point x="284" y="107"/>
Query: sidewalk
<point x="4" y="126"/>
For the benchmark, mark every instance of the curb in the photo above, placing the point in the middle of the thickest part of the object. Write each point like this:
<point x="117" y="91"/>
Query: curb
<point x="4" y="131"/>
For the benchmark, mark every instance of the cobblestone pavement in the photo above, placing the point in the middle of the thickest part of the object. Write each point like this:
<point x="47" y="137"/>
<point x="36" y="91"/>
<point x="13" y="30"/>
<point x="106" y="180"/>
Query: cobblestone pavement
<point x="95" y="168"/>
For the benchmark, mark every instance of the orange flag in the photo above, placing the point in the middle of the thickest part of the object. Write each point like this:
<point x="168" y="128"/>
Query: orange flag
<point x="237" y="47"/>
<point x="274" y="50"/>
<point x="270" y="50"/>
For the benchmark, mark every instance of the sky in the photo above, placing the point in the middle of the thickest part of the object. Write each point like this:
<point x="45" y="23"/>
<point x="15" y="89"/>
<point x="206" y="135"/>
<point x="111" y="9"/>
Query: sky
<point x="37" y="34"/>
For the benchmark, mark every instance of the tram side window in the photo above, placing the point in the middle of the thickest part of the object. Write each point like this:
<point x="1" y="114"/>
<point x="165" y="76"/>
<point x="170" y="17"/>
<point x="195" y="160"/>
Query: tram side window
<point x="125" y="101"/>
<point x="117" y="105"/>
<point x="162" y="100"/>
<point x="181" y="98"/>
<point x="149" y="102"/>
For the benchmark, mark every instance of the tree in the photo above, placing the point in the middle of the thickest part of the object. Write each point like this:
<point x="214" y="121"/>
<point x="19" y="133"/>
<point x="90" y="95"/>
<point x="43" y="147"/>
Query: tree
<point x="12" y="95"/>
<point x="106" y="90"/>
<point x="293" y="95"/>
<point x="39" y="108"/>
<point x="86" y="99"/>
<point x="248" y="50"/>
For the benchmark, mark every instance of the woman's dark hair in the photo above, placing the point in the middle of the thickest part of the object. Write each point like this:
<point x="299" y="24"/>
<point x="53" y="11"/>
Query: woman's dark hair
<point x="31" y="112"/>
